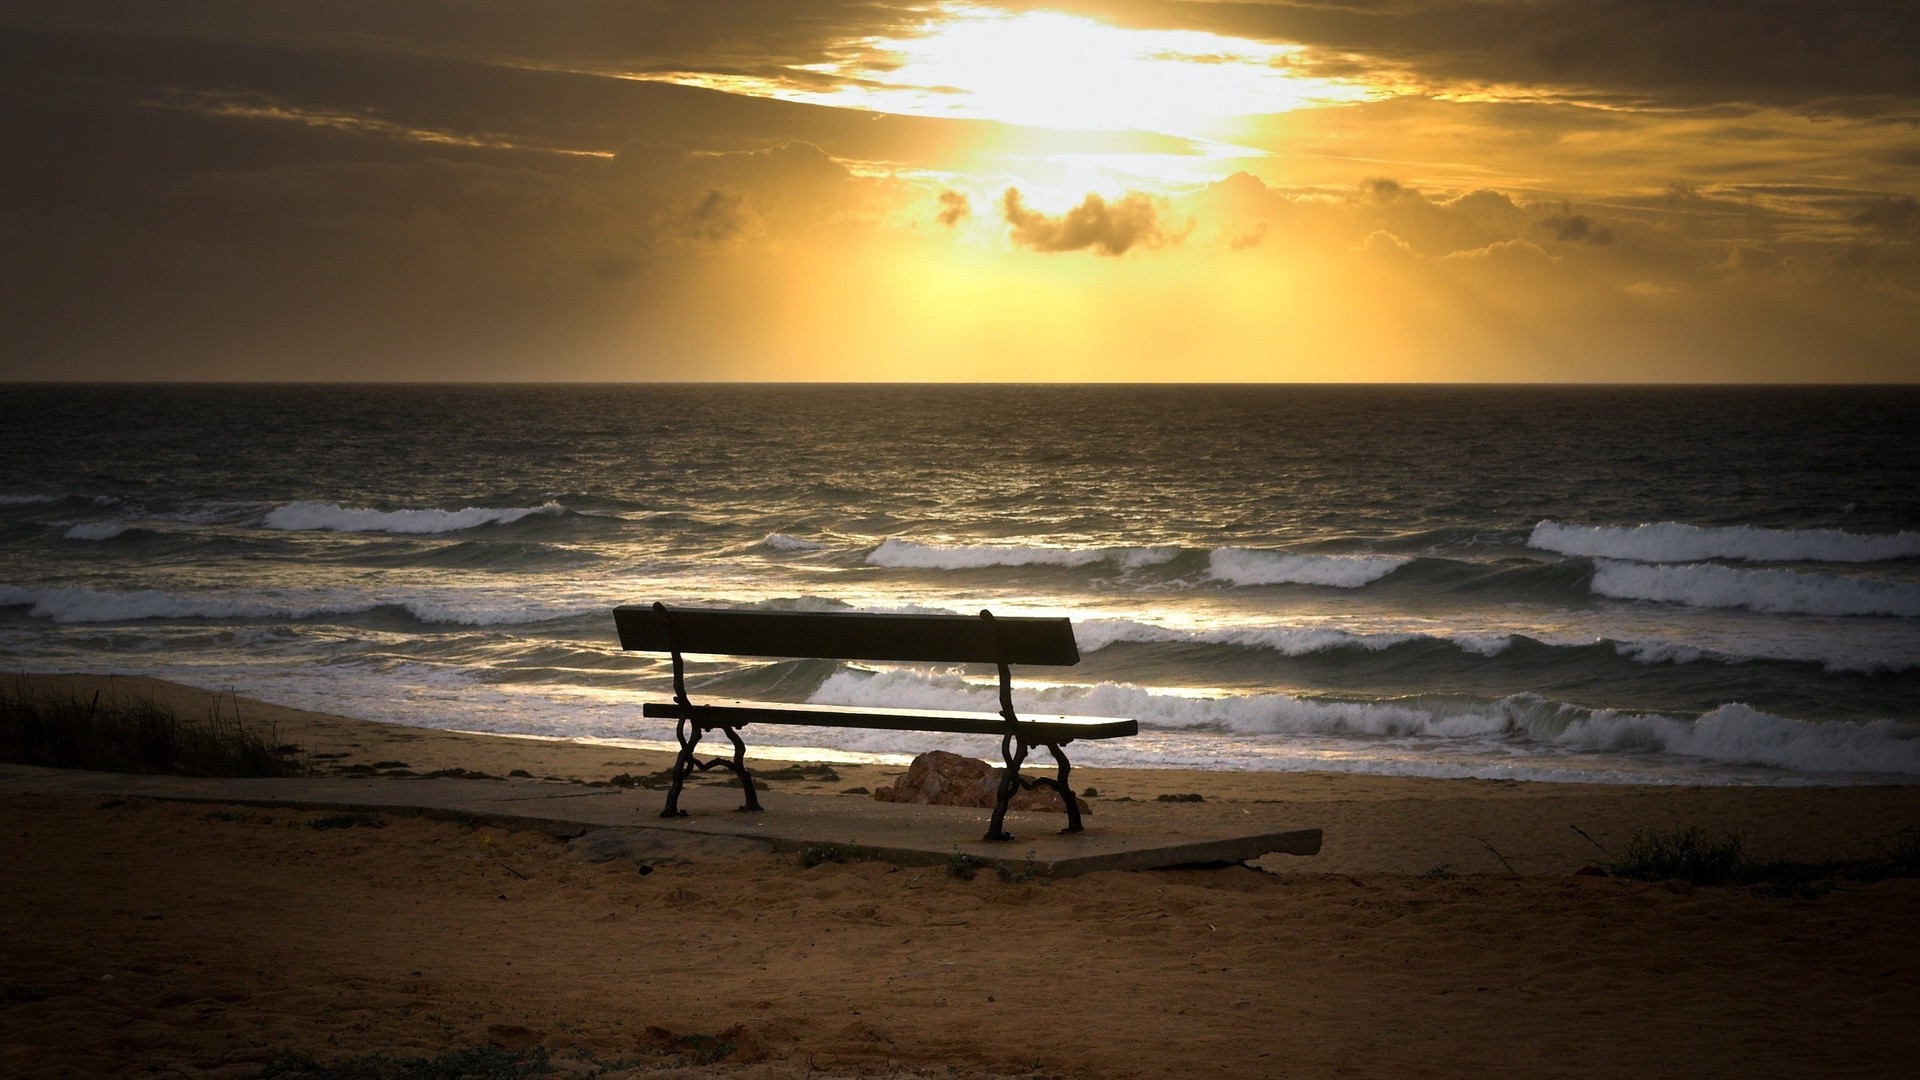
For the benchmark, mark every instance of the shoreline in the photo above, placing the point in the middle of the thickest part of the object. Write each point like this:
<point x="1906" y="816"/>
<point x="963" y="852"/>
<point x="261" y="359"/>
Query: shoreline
<point x="1373" y="823"/>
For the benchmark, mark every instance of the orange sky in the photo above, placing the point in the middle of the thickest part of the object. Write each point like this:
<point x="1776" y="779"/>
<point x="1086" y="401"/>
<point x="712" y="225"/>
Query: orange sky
<point x="1404" y="190"/>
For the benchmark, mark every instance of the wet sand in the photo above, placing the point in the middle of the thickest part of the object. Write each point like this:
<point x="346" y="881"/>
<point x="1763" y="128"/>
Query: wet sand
<point x="146" y="936"/>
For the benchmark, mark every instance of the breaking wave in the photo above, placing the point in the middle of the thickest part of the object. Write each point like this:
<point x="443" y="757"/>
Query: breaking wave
<point x="1732" y="734"/>
<point x="1671" y="541"/>
<point x="1096" y="634"/>
<point x="1247" y="566"/>
<point x="97" y="530"/>
<point x="1782" y="592"/>
<point x="783" y="542"/>
<point x="75" y="604"/>
<point x="920" y="555"/>
<point x="331" y="517"/>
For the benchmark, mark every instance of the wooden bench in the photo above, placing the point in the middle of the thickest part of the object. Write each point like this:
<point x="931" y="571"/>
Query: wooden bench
<point x="858" y="636"/>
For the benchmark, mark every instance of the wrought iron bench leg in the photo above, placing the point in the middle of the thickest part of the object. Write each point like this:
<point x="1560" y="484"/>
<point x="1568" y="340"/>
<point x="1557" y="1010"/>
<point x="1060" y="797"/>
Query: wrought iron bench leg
<point x="688" y="733"/>
<point x="683" y="767"/>
<point x="739" y="767"/>
<point x="1013" y="751"/>
<point x="1066" y="790"/>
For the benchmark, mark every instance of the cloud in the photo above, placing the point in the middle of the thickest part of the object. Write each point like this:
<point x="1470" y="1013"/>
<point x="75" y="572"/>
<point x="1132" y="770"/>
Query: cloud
<point x="1890" y="215"/>
<point x="717" y="217"/>
<point x="1567" y="226"/>
<point x="1108" y="228"/>
<point x="954" y="208"/>
<point x="1813" y="54"/>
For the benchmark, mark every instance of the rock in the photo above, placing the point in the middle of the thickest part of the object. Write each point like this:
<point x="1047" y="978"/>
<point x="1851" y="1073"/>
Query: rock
<point x="937" y="778"/>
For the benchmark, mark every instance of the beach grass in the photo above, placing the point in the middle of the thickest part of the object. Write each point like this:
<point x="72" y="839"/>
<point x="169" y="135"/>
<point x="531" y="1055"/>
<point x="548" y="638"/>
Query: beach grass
<point x="1699" y="857"/>
<point x="136" y="735"/>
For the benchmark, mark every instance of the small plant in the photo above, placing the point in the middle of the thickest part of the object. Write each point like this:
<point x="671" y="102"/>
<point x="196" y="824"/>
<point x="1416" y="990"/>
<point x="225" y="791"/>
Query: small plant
<point x="1692" y="855"/>
<point x="814" y="854"/>
<point x="1700" y="858"/>
<point x="1029" y="870"/>
<point x="963" y="866"/>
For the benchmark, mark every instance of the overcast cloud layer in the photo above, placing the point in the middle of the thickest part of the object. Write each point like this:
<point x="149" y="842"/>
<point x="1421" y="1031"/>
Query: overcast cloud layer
<point x="1584" y="189"/>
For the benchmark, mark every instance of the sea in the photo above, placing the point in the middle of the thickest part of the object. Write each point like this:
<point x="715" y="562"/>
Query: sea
<point x="1683" y="585"/>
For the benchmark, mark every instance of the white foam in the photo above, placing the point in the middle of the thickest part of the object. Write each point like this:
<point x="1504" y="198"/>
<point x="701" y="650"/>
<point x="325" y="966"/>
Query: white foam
<point x="74" y="604"/>
<point x="27" y="500"/>
<point x="96" y="530"/>
<point x="1732" y="734"/>
<point x="1248" y="566"/>
<point x="921" y="555"/>
<point x="1782" y="592"/>
<point x="1735" y="734"/>
<point x="330" y="517"/>
<point x="1672" y="541"/>
<point x="783" y="542"/>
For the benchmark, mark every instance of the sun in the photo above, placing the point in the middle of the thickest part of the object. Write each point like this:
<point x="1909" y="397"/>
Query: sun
<point x="1054" y="70"/>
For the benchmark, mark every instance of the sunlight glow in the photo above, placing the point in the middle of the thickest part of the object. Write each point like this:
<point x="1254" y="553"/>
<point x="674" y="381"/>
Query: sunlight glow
<point x="1048" y="69"/>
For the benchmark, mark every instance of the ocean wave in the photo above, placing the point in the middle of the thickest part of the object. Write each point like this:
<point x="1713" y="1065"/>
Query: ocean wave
<point x="97" y="530"/>
<point x="76" y="604"/>
<point x="1779" y="592"/>
<point x="28" y="500"/>
<point x="782" y="542"/>
<point x="1735" y="734"/>
<point x="1248" y="566"/>
<point x="331" y="517"/>
<point x="1732" y="734"/>
<point x="1671" y="541"/>
<point x="921" y="555"/>
<point x="1096" y="634"/>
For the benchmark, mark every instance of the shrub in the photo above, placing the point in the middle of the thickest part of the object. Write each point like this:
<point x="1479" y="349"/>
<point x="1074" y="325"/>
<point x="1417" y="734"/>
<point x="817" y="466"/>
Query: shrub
<point x="136" y="735"/>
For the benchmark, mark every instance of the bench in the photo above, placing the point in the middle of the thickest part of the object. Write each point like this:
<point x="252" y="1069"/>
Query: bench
<point x="952" y="639"/>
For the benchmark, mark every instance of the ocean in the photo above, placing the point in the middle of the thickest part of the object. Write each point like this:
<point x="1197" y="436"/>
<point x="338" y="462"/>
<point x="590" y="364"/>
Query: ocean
<point x="1647" y="585"/>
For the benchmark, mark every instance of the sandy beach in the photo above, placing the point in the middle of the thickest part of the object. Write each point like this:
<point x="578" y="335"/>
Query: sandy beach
<point x="1443" y="929"/>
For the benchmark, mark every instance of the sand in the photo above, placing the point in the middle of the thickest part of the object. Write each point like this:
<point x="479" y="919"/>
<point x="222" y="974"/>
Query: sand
<point x="145" y="937"/>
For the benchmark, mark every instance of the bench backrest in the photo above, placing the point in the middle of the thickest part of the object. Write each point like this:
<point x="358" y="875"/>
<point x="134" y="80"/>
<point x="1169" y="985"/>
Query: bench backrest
<point x="848" y="635"/>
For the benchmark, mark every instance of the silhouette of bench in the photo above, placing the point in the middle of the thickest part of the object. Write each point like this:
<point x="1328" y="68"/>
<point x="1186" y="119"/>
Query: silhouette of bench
<point x="859" y="636"/>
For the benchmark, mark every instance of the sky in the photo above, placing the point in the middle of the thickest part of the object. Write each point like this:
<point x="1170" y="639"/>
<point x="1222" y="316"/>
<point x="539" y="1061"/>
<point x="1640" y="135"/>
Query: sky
<point x="1134" y="190"/>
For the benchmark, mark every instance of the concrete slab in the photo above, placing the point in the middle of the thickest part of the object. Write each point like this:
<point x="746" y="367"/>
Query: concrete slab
<point x="1116" y="838"/>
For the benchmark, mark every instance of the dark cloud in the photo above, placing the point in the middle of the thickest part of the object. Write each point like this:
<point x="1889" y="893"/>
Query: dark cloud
<point x="1567" y="226"/>
<point x="1890" y="215"/>
<point x="954" y="208"/>
<point x="1108" y="228"/>
<point x="1817" y="54"/>
<point x="717" y="217"/>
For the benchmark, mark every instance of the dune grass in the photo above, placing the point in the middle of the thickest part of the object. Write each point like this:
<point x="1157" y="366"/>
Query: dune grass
<point x="1698" y="857"/>
<point x="136" y="735"/>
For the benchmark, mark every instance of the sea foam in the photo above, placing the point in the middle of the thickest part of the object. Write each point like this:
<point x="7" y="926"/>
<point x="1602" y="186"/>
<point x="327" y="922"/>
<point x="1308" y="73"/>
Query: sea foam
<point x="75" y="604"/>
<point x="1671" y="541"/>
<point x="331" y="517"/>
<point x="1780" y="592"/>
<point x="1732" y="734"/>
<point x="782" y="542"/>
<point x="921" y="555"/>
<point x="97" y="530"/>
<point x="1248" y="566"/>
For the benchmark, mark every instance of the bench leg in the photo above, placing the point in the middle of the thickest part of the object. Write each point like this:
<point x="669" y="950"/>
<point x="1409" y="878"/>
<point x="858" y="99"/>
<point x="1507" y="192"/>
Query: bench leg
<point x="739" y="767"/>
<point x="1066" y="790"/>
<point x="688" y="733"/>
<point x="1014" y="752"/>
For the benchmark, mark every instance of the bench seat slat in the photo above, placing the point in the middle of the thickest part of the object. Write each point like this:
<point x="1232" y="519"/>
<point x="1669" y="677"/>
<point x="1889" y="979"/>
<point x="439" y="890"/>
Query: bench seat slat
<point x="737" y="713"/>
<point x="848" y="635"/>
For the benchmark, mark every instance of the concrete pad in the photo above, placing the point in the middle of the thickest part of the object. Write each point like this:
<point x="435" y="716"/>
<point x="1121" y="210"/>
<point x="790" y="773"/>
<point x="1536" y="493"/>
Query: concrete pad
<point x="1116" y="838"/>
